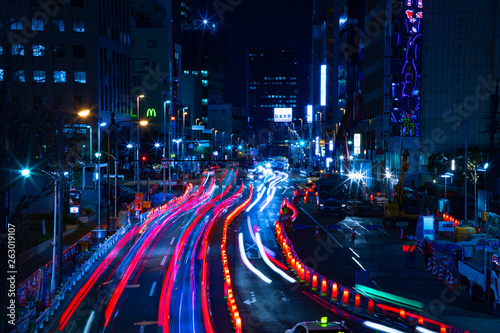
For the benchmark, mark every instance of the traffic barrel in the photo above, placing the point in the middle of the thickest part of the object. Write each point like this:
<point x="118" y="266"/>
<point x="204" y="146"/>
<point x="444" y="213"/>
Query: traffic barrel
<point x="292" y="268"/>
<point x="357" y="301"/>
<point x="345" y="297"/>
<point x="334" y="291"/>
<point x="442" y="329"/>
<point x="238" y="325"/>
<point x="452" y="282"/>
<point x="315" y="282"/>
<point x="302" y="275"/>
<point x="308" y="277"/>
<point x="370" y="306"/>
<point x="323" y="287"/>
<point x="434" y="268"/>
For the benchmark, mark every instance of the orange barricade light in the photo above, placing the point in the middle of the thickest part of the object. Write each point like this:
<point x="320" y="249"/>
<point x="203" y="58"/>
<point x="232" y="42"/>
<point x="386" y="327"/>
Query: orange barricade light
<point x="420" y="320"/>
<point x="334" y="291"/>
<point x="238" y="325"/>
<point x="308" y="277"/>
<point x="225" y="290"/>
<point x="345" y="298"/>
<point x="443" y="329"/>
<point x="297" y="267"/>
<point x="293" y="265"/>
<point x="357" y="301"/>
<point x="305" y="199"/>
<point x="371" y="197"/>
<point x="302" y="275"/>
<point x="402" y="313"/>
<point x="315" y="282"/>
<point x="323" y="287"/>
<point x="370" y="306"/>
<point x="236" y="315"/>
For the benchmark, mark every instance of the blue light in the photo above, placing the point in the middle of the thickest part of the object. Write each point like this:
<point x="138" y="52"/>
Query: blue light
<point x="25" y="172"/>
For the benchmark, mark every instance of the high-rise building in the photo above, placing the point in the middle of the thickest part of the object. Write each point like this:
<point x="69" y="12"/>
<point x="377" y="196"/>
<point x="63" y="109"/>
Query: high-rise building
<point x="272" y="83"/>
<point x="69" y="57"/>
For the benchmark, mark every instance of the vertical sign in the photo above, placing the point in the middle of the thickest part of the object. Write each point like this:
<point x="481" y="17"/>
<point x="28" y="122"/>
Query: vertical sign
<point x="323" y="85"/>
<point x="357" y="143"/>
<point x="317" y="146"/>
<point x="330" y="145"/>
<point x="309" y="114"/>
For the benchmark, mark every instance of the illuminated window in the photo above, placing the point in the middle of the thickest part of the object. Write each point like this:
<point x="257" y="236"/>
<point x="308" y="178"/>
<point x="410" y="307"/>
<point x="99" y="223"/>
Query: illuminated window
<point x="59" y="76"/>
<point x="80" y="77"/>
<point x="39" y="76"/>
<point x="204" y="101"/>
<point x="1" y="50"/>
<point x="204" y="83"/>
<point x="1" y="75"/>
<point x="18" y="49"/>
<point x="38" y="50"/>
<point x="16" y="24"/>
<point x="19" y="76"/>
<point x="186" y="72"/>
<point x="78" y="26"/>
<point x="37" y="24"/>
<point x="58" y="25"/>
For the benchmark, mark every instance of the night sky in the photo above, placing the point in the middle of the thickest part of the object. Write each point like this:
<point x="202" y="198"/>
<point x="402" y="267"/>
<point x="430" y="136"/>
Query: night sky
<point x="261" y="24"/>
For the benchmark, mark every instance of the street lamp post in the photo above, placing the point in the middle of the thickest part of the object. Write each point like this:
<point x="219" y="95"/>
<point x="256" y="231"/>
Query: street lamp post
<point x="184" y="113"/>
<point x="164" y="144"/>
<point x="301" y="128"/>
<point x="483" y="169"/>
<point x="466" y="122"/>
<point x="138" y="146"/>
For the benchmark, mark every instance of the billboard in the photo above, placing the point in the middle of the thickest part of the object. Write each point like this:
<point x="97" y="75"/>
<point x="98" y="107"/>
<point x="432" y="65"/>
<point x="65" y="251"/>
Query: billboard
<point x="323" y="85"/>
<point x="283" y="115"/>
<point x="357" y="143"/>
<point x="309" y="114"/>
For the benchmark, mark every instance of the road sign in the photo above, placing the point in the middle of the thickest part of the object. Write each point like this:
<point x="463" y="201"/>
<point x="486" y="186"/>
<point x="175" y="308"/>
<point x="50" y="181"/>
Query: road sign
<point x="333" y="226"/>
<point x="190" y="146"/>
<point x="300" y="227"/>
<point x="164" y="162"/>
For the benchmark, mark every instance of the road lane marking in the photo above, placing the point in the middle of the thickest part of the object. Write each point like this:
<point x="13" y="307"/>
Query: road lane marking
<point x="357" y="255"/>
<point x="322" y="227"/>
<point x="152" y="289"/>
<point x="128" y="286"/>
<point x="357" y="262"/>
<point x="172" y="240"/>
<point x="163" y="260"/>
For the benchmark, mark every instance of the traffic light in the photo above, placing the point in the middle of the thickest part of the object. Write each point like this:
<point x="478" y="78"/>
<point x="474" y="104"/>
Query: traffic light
<point x="144" y="158"/>
<point x="172" y="118"/>
<point x="302" y="143"/>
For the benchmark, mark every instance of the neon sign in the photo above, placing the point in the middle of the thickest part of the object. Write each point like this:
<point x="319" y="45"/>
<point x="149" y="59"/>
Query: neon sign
<point x="407" y="116"/>
<point x="151" y="113"/>
<point x="323" y="85"/>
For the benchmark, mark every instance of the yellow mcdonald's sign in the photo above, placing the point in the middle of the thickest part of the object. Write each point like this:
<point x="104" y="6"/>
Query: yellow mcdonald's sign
<point x="151" y="113"/>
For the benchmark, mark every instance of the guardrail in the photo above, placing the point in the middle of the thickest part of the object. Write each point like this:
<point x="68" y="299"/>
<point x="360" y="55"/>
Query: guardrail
<point x="45" y="315"/>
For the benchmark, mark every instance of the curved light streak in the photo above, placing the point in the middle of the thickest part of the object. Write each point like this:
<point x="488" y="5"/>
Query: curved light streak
<point x="261" y="190"/>
<point x="252" y="235"/>
<point x="268" y="199"/>
<point x="248" y="264"/>
<point x="269" y="263"/>
<point x="381" y="328"/>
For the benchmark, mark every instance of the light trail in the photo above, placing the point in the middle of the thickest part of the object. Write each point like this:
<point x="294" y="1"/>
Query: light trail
<point x="269" y="263"/>
<point x="247" y="263"/>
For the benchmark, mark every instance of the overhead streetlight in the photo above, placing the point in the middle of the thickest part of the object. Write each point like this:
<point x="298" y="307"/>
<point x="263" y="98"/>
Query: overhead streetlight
<point x="138" y="144"/>
<point x="483" y="169"/>
<point x="84" y="113"/>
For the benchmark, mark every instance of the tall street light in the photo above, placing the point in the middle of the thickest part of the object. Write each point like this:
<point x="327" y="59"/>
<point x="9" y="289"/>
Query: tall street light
<point x="301" y="128"/>
<point x="138" y="145"/>
<point x="165" y="124"/>
<point x="26" y="173"/>
<point x="482" y="169"/>
<point x="184" y="113"/>
<point x="466" y="122"/>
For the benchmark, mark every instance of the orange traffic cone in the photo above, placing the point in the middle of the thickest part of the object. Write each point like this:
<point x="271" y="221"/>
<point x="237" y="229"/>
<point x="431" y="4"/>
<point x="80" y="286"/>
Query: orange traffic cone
<point x="452" y="282"/>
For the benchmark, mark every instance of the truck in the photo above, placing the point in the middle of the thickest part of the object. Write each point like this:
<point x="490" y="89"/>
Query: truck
<point x="332" y="196"/>
<point x="481" y="271"/>
<point x="404" y="206"/>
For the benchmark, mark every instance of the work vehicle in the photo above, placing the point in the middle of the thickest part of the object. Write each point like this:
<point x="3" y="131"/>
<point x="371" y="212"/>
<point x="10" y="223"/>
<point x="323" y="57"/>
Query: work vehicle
<point x="322" y="326"/>
<point x="404" y="206"/>
<point x="332" y="196"/>
<point x="481" y="269"/>
<point x="313" y="177"/>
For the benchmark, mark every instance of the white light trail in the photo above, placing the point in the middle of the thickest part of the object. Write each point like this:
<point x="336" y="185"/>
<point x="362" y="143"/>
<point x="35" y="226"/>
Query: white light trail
<point x="247" y="263"/>
<point x="269" y="263"/>
<point x="423" y="330"/>
<point x="380" y="327"/>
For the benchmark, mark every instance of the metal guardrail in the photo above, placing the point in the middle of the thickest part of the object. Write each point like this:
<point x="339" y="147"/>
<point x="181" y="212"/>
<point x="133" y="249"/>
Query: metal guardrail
<point x="45" y="315"/>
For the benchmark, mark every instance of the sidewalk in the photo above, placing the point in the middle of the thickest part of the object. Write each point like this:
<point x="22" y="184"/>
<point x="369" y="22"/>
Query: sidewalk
<point x="383" y="257"/>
